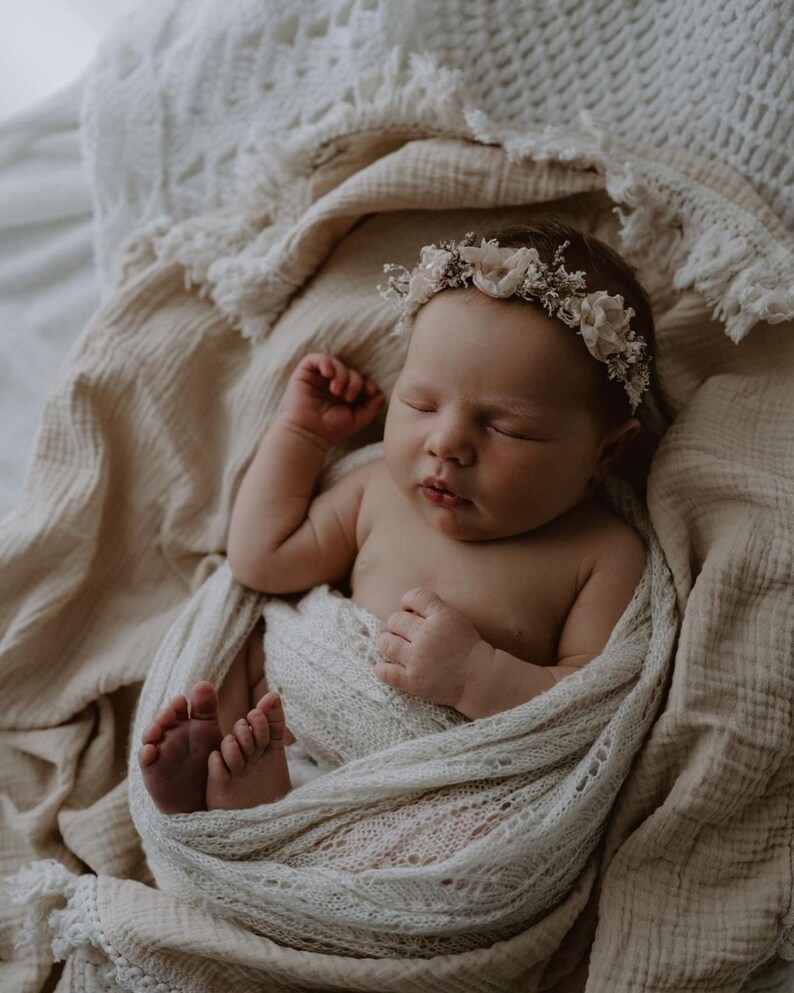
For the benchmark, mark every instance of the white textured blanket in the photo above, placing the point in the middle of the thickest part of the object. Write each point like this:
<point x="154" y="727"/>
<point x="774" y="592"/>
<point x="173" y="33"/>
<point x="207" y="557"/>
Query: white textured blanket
<point x="175" y="94"/>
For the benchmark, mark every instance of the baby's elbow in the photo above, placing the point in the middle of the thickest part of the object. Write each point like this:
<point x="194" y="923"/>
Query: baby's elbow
<point x="245" y="578"/>
<point x="266" y="577"/>
<point x="252" y="574"/>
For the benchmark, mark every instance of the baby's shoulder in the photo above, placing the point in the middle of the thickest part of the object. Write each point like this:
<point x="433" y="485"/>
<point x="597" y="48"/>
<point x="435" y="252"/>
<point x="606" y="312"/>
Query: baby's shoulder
<point x="373" y="479"/>
<point x="612" y="542"/>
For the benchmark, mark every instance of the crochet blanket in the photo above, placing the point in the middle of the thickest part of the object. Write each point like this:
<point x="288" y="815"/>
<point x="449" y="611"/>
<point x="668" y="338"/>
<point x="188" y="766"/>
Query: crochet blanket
<point x="175" y="91"/>
<point x="145" y="439"/>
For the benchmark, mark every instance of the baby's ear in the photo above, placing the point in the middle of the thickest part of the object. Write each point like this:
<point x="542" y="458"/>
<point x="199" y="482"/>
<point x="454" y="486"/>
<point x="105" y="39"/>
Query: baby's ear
<point x="613" y="444"/>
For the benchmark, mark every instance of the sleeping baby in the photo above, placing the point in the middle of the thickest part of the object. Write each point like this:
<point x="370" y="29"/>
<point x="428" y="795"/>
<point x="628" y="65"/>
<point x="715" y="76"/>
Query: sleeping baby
<point x="478" y="538"/>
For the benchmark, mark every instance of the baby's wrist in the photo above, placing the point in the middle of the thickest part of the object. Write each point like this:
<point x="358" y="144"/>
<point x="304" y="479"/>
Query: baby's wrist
<point x="479" y="669"/>
<point x="318" y="440"/>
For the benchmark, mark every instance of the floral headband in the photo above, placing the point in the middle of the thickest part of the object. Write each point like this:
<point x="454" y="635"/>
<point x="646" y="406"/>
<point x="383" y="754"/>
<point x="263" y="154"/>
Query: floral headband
<point x="600" y="319"/>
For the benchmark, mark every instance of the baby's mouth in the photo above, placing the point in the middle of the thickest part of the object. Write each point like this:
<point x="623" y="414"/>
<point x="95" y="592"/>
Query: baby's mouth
<point x="442" y="495"/>
<point x="437" y="484"/>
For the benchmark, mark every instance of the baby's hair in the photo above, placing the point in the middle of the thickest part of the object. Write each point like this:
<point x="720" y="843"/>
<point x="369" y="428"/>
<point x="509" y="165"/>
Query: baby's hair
<point x="605" y="270"/>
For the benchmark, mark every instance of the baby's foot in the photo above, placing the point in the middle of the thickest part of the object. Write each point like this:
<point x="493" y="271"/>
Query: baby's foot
<point x="251" y="766"/>
<point x="175" y="750"/>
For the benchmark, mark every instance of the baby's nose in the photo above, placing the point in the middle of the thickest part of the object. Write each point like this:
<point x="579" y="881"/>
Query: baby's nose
<point x="450" y="446"/>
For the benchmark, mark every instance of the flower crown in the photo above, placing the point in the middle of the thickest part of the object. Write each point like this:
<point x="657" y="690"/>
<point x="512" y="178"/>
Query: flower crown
<point x="599" y="318"/>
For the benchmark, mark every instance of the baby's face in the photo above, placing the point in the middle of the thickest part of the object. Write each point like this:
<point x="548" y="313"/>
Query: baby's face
<point x="495" y="400"/>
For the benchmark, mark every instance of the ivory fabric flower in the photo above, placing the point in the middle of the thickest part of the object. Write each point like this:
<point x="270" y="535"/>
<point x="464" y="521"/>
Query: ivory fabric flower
<point x="604" y="323"/>
<point x="499" y="271"/>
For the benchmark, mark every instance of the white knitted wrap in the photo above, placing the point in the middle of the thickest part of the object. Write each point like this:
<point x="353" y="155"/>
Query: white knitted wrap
<point x="437" y="834"/>
<point x="176" y="89"/>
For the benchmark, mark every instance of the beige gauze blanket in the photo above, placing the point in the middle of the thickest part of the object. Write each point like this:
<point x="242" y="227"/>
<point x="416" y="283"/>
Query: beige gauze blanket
<point x="159" y="409"/>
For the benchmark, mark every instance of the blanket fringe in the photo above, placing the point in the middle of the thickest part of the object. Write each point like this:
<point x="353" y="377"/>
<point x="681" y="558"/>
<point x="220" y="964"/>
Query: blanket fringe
<point x="76" y="927"/>
<point x="238" y="252"/>
<point x="237" y="256"/>
<point x="39" y="887"/>
<point x="742" y="271"/>
<point x="413" y="94"/>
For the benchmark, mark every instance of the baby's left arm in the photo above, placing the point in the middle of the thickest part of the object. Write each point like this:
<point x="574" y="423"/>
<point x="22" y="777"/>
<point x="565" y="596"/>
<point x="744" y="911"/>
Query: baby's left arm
<point x="508" y="681"/>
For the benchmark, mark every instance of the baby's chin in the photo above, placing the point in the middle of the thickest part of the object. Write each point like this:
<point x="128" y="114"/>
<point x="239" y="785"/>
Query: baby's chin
<point x="464" y="524"/>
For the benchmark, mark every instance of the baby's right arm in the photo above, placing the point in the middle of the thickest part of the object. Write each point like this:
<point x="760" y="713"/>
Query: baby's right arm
<point x="280" y="540"/>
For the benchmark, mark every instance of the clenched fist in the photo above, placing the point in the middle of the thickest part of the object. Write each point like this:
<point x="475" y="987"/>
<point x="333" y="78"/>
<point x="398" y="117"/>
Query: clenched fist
<point x="431" y="650"/>
<point x="329" y="399"/>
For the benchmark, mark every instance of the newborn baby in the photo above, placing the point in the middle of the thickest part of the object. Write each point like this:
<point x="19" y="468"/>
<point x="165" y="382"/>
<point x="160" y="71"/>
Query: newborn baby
<point x="477" y="538"/>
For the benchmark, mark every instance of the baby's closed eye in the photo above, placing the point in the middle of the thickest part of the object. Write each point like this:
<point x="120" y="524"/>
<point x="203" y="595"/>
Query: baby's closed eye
<point x="505" y="430"/>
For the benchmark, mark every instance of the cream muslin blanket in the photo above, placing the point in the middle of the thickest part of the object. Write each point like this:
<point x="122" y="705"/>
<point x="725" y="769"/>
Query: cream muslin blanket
<point x="158" y="411"/>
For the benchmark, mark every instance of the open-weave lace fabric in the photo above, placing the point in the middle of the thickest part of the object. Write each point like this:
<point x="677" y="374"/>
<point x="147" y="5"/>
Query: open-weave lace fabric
<point x="434" y="834"/>
<point x="175" y="91"/>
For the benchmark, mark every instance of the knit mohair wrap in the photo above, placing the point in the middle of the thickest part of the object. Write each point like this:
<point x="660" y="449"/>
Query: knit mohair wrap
<point x="433" y="834"/>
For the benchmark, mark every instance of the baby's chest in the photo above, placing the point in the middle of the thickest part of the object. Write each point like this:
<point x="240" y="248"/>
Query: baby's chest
<point x="516" y="597"/>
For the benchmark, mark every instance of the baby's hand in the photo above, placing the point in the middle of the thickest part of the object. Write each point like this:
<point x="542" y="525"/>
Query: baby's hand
<point x="328" y="399"/>
<point x="431" y="649"/>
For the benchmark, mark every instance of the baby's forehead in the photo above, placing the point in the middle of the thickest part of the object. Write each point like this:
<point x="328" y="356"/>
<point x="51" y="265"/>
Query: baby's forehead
<point x="505" y="335"/>
<point x="522" y="353"/>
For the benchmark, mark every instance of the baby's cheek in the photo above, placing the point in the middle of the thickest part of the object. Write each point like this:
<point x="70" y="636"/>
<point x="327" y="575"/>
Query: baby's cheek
<point x="401" y="464"/>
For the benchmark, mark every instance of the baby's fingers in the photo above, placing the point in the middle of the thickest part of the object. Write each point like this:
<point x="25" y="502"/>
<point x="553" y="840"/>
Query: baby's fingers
<point x="325" y="364"/>
<point x="316" y="369"/>
<point x="353" y="385"/>
<point x="343" y="381"/>
<point x="338" y="374"/>
<point x="366" y="408"/>
<point x="391" y="673"/>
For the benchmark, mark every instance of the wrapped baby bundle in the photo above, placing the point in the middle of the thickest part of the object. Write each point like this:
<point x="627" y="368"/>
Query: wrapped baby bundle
<point x="425" y="833"/>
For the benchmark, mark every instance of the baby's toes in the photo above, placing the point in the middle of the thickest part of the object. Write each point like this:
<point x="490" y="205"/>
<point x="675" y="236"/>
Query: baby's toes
<point x="217" y="773"/>
<point x="179" y="706"/>
<point x="232" y="755"/>
<point x="244" y="737"/>
<point x="272" y="706"/>
<point x="260" y="730"/>
<point x="146" y="755"/>
<point x="152" y="734"/>
<point x="168" y="717"/>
